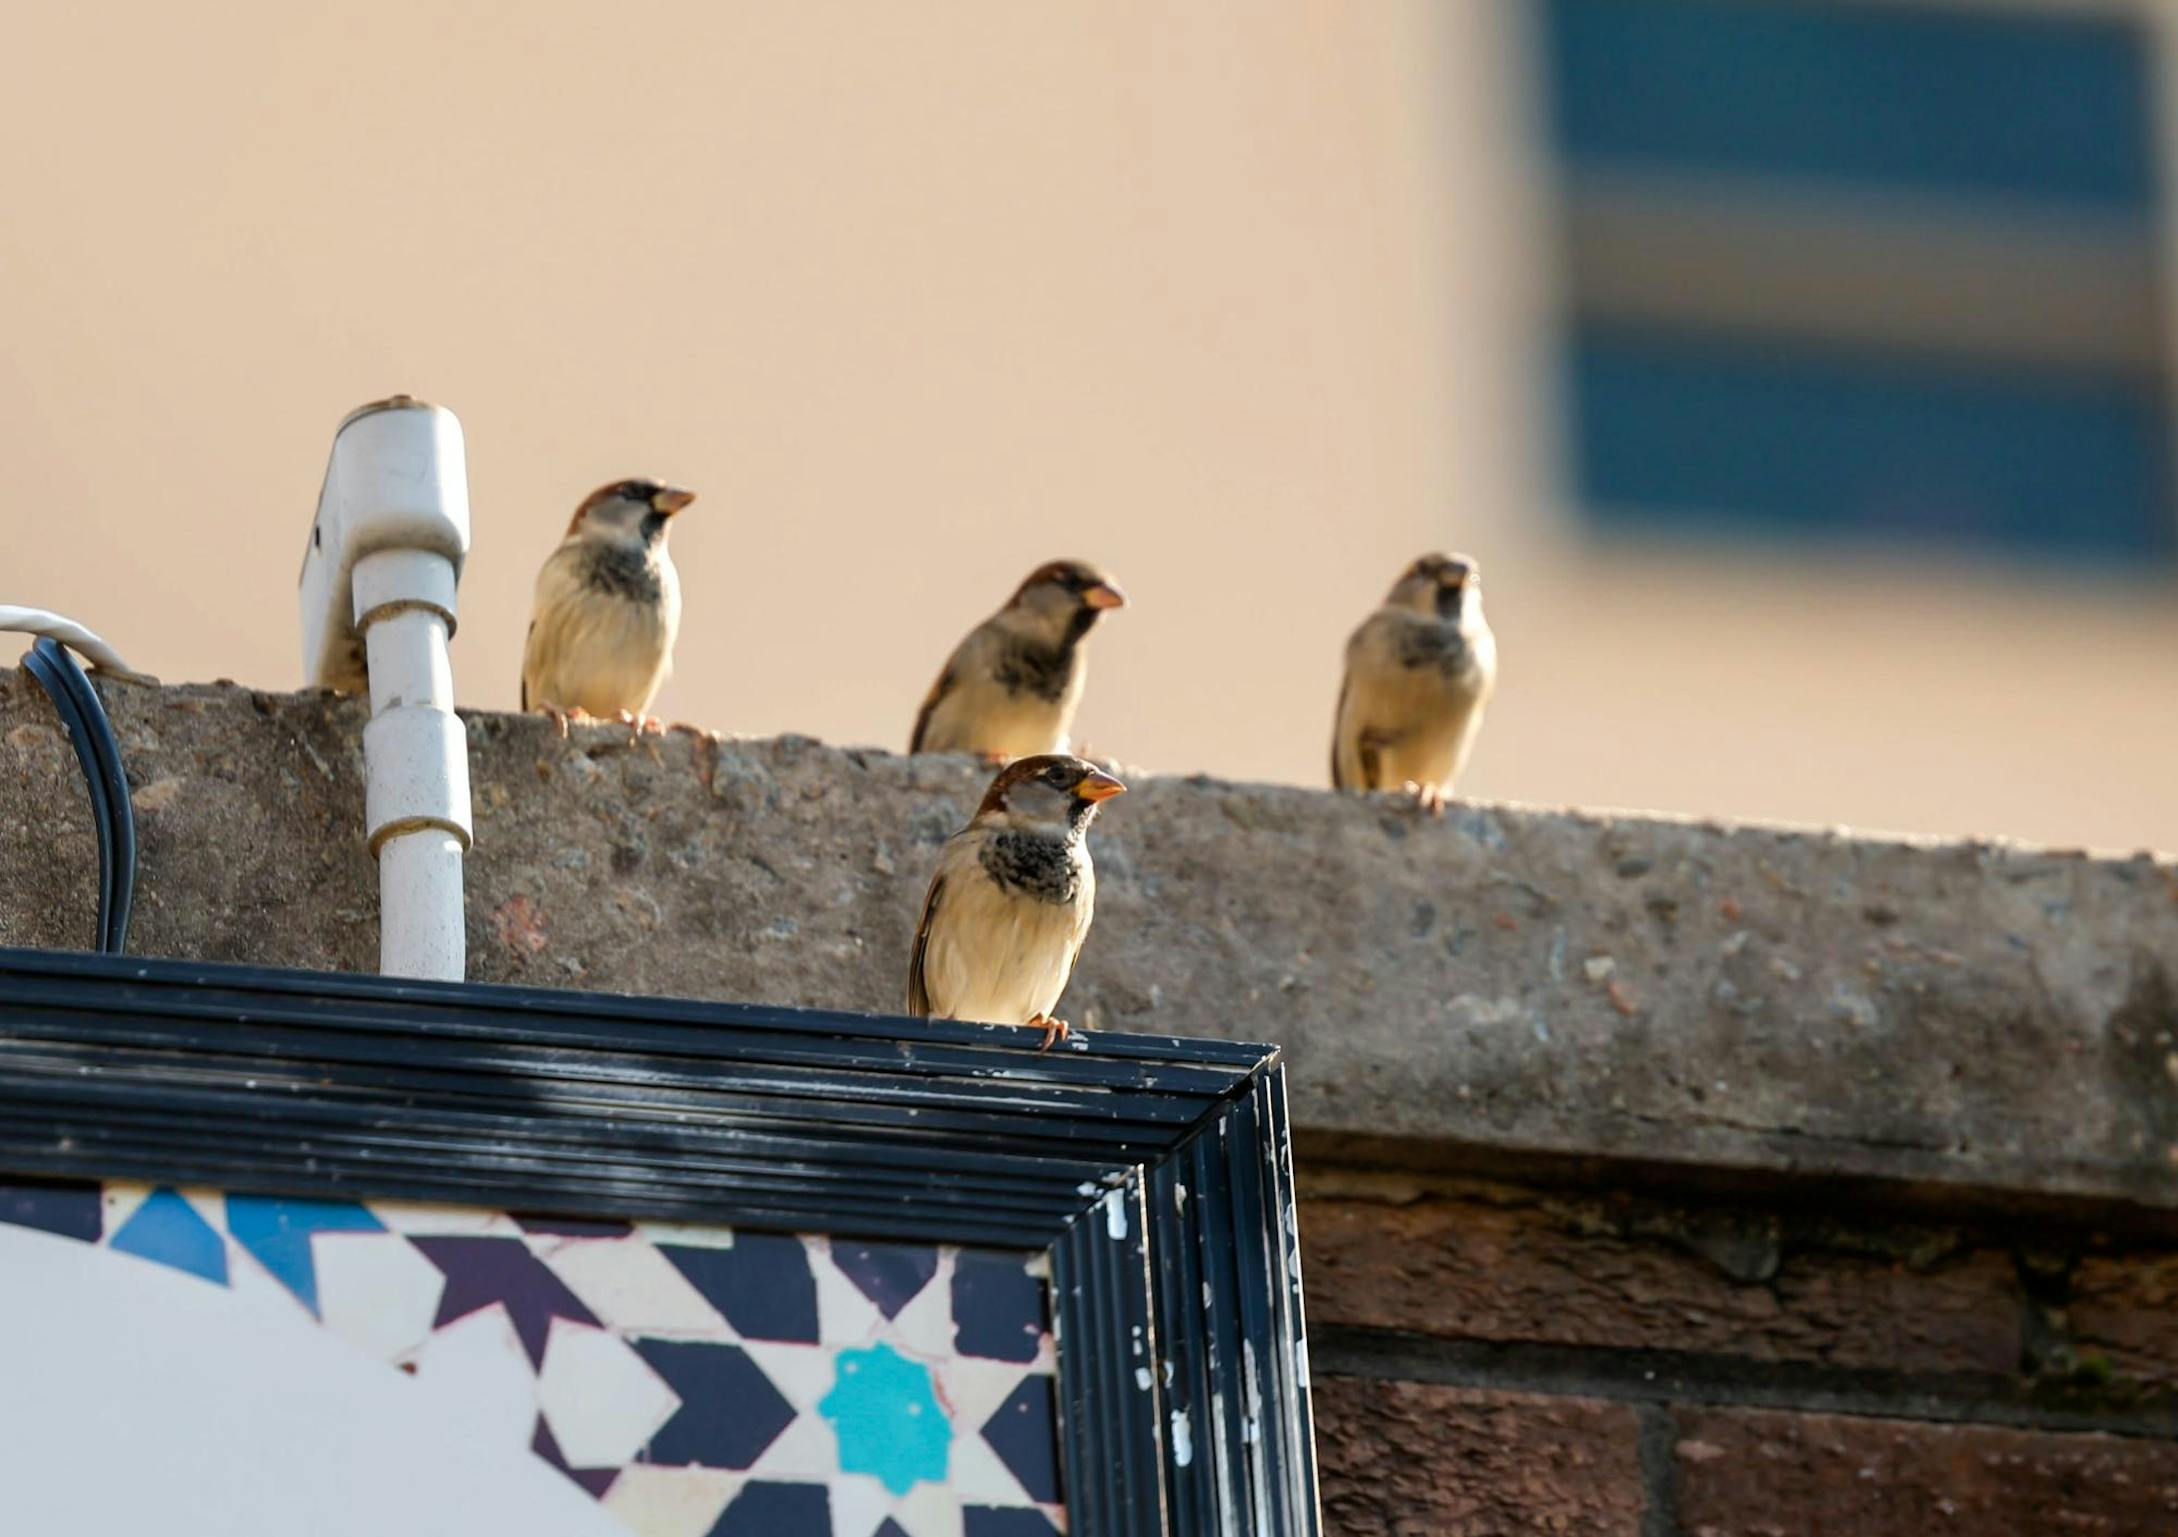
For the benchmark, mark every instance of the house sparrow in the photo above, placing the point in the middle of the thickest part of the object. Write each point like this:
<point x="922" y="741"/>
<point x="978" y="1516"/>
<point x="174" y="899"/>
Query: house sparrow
<point x="1418" y="673"/>
<point x="1009" y="690"/>
<point x="1011" y="901"/>
<point x="607" y="607"/>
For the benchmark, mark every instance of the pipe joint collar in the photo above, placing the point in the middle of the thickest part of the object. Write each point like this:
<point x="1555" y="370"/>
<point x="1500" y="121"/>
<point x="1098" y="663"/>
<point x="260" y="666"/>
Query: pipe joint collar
<point x="391" y="581"/>
<point x="418" y="762"/>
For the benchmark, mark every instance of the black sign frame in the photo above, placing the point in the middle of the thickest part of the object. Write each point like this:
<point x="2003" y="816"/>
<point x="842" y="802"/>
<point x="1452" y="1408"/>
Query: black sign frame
<point x="1154" y="1171"/>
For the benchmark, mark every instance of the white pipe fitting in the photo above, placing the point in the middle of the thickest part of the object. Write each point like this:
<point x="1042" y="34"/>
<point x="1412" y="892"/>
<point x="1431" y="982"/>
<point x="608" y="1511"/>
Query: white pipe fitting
<point x="379" y="584"/>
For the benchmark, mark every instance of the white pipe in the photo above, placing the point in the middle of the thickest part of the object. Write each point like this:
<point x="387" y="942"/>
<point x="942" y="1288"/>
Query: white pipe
<point x="420" y="909"/>
<point x="379" y="585"/>
<point x="416" y="804"/>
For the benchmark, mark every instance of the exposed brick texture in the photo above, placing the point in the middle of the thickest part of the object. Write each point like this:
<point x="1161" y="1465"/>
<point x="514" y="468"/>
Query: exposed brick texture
<point x="2125" y="1308"/>
<point x="1404" y="1459"/>
<point x="1743" y="1473"/>
<point x="1473" y="1270"/>
<point x="1569" y="1272"/>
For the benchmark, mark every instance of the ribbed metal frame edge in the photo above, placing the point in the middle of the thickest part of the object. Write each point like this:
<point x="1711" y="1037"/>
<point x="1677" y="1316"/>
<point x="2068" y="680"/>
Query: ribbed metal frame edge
<point x="1183" y="1363"/>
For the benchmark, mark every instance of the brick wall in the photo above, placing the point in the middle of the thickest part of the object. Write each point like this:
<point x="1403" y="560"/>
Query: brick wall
<point x="1498" y="1360"/>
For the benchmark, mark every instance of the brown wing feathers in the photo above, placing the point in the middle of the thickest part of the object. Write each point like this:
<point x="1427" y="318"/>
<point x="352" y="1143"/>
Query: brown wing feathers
<point x="931" y="700"/>
<point x="918" y="996"/>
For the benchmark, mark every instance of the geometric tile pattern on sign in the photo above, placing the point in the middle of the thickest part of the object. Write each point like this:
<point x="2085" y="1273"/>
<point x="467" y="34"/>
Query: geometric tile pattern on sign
<point x="698" y="1381"/>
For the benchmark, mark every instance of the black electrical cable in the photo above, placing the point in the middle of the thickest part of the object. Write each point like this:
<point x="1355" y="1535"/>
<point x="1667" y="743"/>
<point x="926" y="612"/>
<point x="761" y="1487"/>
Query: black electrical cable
<point x="49" y="674"/>
<point x="99" y="754"/>
<point x="115" y="779"/>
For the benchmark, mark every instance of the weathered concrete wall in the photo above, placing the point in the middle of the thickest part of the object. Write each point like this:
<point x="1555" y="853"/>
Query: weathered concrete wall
<point x="1848" y="1197"/>
<point x="1500" y="983"/>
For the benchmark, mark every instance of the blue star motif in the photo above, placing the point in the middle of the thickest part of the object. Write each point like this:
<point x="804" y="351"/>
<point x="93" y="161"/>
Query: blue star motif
<point x="887" y="1419"/>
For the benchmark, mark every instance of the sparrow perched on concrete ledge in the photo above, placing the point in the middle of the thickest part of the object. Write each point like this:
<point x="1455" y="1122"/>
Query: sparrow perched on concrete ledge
<point x="607" y="607"/>
<point x="1418" y="673"/>
<point x="1011" y="901"/>
<point x="1009" y="690"/>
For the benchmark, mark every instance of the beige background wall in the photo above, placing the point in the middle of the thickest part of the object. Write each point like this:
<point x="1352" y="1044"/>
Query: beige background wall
<point x="1239" y="298"/>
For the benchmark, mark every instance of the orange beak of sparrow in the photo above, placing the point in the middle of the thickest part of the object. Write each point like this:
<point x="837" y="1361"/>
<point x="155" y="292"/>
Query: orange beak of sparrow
<point x="1099" y="786"/>
<point x="1104" y="595"/>
<point x="668" y="501"/>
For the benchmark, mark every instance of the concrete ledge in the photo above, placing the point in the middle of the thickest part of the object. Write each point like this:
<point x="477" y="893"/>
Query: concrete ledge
<point x="1502" y="985"/>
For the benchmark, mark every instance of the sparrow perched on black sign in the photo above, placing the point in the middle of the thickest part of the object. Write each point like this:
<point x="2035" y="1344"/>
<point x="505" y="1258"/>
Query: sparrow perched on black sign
<point x="1418" y="673"/>
<point x="1012" y="899"/>
<point x="1010" y="689"/>
<point x="607" y="607"/>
